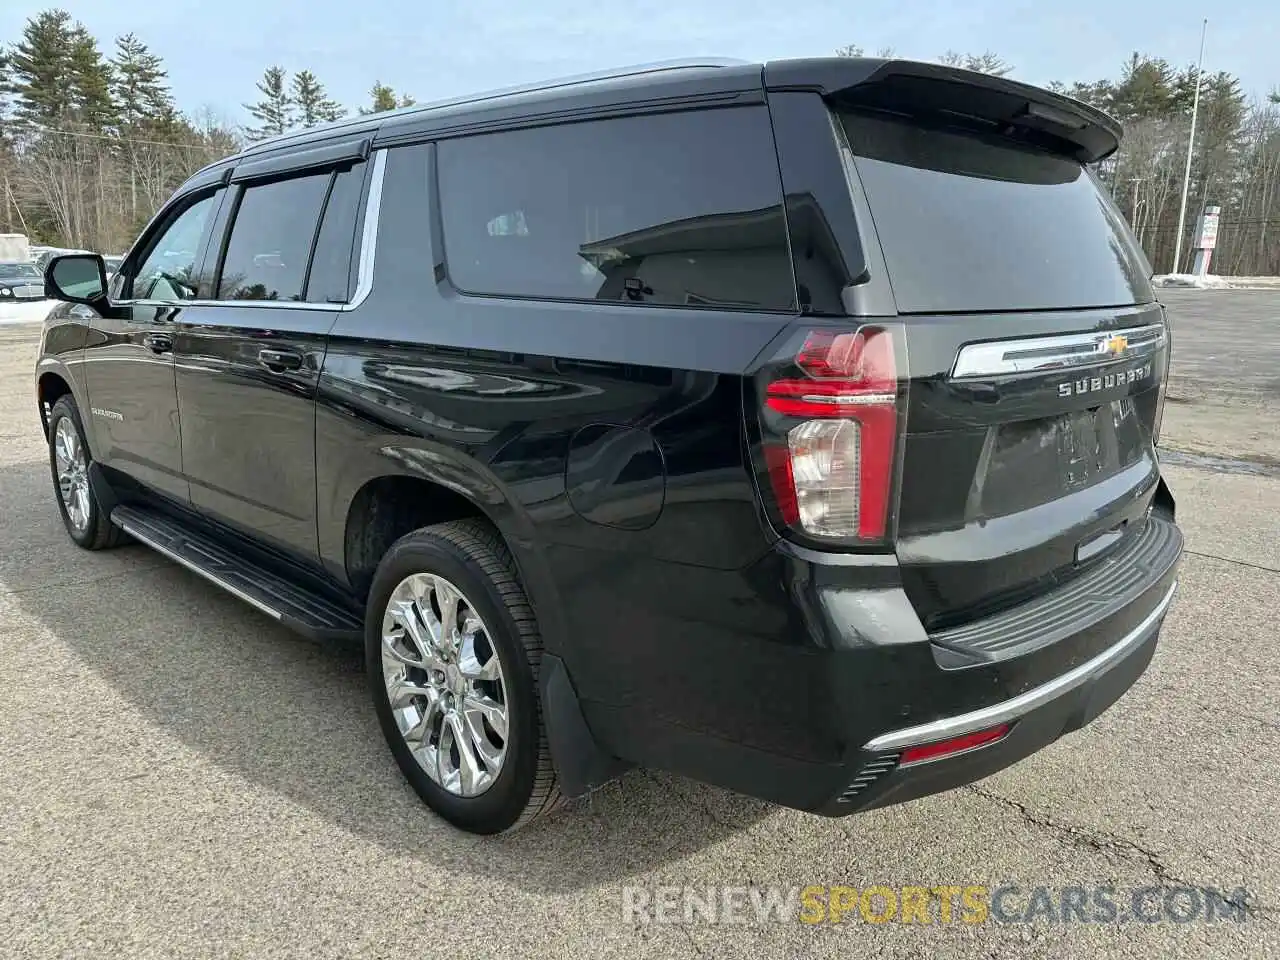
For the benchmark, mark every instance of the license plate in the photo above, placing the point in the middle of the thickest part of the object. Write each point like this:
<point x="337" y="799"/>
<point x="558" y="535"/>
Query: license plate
<point x="1035" y="461"/>
<point x="1080" y="455"/>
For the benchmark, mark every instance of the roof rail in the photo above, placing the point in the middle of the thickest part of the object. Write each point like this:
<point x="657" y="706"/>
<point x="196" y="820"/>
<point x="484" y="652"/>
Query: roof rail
<point x="620" y="73"/>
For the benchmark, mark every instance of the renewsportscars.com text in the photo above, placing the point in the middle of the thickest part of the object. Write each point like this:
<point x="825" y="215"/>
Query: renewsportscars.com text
<point x="969" y="904"/>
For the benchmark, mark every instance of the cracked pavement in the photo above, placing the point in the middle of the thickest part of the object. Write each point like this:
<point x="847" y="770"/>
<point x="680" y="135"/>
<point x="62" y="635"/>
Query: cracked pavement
<point x="182" y="778"/>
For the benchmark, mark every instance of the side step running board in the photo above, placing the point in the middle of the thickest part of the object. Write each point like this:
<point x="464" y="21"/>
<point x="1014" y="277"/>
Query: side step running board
<point x="297" y="607"/>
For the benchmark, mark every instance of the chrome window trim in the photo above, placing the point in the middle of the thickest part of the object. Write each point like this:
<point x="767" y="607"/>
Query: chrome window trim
<point x="364" y="270"/>
<point x="1004" y="357"/>
<point x="369" y="234"/>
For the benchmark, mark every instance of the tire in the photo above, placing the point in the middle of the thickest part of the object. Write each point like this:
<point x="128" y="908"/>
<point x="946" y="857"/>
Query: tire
<point x="86" y="523"/>
<point x="470" y="557"/>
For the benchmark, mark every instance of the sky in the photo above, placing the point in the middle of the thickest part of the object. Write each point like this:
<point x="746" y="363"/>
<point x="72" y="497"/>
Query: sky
<point x="215" y="53"/>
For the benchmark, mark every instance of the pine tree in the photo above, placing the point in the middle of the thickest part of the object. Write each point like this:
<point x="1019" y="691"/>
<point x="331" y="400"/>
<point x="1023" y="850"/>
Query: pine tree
<point x="90" y="78"/>
<point x="313" y="104"/>
<point x="39" y="66"/>
<point x="275" y="109"/>
<point x="383" y="98"/>
<point x="138" y="85"/>
<point x="1148" y="88"/>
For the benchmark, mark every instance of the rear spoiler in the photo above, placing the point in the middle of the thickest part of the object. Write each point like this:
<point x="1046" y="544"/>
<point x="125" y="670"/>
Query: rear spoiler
<point x="952" y="95"/>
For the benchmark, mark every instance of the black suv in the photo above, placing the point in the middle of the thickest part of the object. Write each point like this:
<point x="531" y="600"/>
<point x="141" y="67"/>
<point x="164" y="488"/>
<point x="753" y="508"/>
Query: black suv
<point x="790" y="427"/>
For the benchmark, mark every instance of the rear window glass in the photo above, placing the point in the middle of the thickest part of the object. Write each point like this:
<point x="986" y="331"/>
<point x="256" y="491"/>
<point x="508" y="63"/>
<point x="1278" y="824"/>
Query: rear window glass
<point x="969" y="223"/>
<point x="680" y="209"/>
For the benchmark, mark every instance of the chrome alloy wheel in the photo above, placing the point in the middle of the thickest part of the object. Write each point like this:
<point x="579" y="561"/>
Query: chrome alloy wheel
<point x="73" y="473"/>
<point x="444" y="682"/>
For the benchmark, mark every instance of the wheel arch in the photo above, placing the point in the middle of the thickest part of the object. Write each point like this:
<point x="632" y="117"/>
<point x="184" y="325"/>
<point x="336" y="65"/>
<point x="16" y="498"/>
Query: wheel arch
<point x="382" y="492"/>
<point x="387" y="507"/>
<point x="54" y="381"/>
<point x="50" y="388"/>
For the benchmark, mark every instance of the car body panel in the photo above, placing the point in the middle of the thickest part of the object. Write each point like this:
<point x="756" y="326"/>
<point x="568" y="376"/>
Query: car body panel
<point x="129" y="375"/>
<point x="248" y="438"/>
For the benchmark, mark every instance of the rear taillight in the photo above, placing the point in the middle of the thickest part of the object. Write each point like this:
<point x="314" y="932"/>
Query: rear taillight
<point x="831" y="427"/>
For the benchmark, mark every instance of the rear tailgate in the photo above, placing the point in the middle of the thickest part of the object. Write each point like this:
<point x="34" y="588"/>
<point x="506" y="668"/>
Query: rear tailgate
<point x="1025" y="459"/>
<point x="1035" y="348"/>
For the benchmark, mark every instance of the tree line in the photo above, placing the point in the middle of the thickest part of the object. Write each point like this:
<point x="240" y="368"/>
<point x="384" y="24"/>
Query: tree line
<point x="92" y="143"/>
<point x="1235" y="162"/>
<point x="1235" y="158"/>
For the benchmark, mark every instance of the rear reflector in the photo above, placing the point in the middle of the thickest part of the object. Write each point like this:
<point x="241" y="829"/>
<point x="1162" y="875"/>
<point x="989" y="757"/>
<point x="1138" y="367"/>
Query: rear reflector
<point x="961" y="744"/>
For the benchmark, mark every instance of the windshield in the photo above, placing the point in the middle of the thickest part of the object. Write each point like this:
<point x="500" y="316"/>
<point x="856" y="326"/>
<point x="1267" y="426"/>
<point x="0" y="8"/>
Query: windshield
<point x="15" y="271"/>
<point x="972" y="223"/>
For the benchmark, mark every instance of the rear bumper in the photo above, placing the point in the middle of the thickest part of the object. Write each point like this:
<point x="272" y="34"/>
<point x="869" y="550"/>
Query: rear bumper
<point x="818" y="716"/>
<point x="1036" y="718"/>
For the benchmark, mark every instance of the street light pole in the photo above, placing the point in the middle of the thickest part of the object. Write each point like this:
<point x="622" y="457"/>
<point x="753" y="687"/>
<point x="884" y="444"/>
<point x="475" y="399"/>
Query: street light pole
<point x="1191" y="142"/>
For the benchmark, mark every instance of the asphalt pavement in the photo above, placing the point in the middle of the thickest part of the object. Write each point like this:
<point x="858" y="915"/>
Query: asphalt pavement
<point x="183" y="778"/>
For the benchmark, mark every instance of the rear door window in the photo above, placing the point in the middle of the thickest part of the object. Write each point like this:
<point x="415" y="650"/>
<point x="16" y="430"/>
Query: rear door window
<point x="330" y="280"/>
<point x="970" y="223"/>
<point x="680" y="209"/>
<point x="271" y="239"/>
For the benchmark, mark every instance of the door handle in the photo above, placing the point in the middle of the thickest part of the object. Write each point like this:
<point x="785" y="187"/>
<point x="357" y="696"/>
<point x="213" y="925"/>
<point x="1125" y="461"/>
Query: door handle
<point x="280" y="360"/>
<point x="158" y="342"/>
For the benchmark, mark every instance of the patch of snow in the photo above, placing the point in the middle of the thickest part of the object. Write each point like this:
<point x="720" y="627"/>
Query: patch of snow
<point x="33" y="311"/>
<point x="1254" y="283"/>
<point x="1207" y="282"/>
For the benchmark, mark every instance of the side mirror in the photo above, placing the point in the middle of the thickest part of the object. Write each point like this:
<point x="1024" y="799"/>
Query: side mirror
<point x="76" y="278"/>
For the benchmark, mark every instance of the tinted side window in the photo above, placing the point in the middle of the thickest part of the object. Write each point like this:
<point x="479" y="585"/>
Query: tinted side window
<point x="679" y="209"/>
<point x="271" y="239"/>
<point x="336" y="246"/>
<point x="167" y="271"/>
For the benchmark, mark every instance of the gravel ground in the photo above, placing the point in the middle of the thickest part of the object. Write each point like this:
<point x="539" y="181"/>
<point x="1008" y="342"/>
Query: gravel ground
<point x="182" y="778"/>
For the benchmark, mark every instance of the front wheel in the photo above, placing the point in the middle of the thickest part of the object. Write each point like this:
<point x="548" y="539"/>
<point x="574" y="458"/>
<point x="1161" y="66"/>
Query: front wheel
<point x="453" y="654"/>
<point x="87" y="523"/>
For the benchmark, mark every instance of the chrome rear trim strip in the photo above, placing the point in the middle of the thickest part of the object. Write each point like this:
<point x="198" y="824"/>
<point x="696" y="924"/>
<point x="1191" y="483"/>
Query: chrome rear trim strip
<point x="1004" y="357"/>
<point x="1019" y="706"/>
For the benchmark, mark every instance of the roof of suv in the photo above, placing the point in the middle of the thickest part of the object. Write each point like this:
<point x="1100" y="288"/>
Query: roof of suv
<point x="709" y="80"/>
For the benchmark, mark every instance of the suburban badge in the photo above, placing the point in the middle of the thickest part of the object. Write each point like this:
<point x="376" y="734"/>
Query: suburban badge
<point x="1107" y="381"/>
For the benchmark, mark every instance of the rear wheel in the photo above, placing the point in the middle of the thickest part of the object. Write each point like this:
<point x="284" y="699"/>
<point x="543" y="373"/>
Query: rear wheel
<point x="69" y="459"/>
<point x="453" y="652"/>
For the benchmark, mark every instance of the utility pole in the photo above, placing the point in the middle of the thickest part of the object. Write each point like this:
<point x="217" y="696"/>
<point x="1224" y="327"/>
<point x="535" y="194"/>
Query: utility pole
<point x="1191" y="142"/>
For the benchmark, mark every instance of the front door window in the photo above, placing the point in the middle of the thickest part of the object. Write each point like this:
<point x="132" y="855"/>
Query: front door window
<point x="168" y="272"/>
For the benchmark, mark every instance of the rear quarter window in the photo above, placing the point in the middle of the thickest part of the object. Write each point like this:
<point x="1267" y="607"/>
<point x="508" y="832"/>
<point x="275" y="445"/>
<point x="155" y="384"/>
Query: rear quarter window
<point x="968" y="223"/>
<point x="680" y="209"/>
